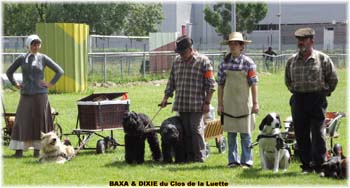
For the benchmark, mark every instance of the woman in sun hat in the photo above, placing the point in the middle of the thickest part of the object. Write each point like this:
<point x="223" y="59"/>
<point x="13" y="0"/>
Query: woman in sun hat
<point x="33" y="114"/>
<point x="237" y="99"/>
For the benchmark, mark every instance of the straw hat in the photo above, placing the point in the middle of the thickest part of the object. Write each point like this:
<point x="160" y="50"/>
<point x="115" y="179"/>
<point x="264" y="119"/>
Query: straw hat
<point x="237" y="36"/>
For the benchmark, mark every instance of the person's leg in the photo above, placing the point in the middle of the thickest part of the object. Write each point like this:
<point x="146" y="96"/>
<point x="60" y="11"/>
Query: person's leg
<point x="197" y="130"/>
<point x="186" y="123"/>
<point x="18" y="154"/>
<point x="302" y="131"/>
<point x="246" y="157"/>
<point x="233" y="157"/>
<point x="318" y="131"/>
<point x="266" y="65"/>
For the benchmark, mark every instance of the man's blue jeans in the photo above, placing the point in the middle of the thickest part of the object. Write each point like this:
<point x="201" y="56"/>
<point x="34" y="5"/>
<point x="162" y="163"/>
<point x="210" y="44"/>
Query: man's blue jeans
<point x="246" y="157"/>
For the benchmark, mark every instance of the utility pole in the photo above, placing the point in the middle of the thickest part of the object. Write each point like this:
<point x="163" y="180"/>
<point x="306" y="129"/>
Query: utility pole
<point x="233" y="16"/>
<point x="279" y="26"/>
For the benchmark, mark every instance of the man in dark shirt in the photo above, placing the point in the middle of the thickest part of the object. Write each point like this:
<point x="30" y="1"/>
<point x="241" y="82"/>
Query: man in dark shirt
<point x="268" y="55"/>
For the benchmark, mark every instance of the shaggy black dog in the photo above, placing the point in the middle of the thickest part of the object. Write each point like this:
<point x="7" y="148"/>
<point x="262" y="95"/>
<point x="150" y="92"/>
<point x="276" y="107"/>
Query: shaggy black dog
<point x="172" y="140"/>
<point x="134" y="125"/>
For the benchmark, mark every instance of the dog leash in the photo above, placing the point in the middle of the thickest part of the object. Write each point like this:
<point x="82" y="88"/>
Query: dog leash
<point x="146" y="127"/>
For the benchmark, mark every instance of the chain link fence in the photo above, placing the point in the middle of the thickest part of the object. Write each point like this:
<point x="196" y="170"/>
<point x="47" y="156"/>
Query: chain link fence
<point x="127" y="58"/>
<point x="128" y="66"/>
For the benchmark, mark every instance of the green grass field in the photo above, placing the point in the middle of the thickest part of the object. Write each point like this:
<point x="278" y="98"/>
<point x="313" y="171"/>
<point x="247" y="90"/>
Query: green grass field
<point x="88" y="168"/>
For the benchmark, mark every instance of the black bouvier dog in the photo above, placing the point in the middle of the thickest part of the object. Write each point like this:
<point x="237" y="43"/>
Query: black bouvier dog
<point x="172" y="140"/>
<point x="134" y="125"/>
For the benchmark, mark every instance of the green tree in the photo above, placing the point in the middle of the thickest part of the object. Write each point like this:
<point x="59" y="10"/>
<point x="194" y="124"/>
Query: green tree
<point x="146" y="16"/>
<point x="103" y="18"/>
<point x="19" y="19"/>
<point x="247" y="16"/>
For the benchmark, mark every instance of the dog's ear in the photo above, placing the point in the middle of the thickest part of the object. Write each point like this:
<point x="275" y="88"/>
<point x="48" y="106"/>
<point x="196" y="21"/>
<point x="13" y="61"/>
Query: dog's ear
<point x="42" y="134"/>
<point x="279" y="120"/>
<point x="263" y="122"/>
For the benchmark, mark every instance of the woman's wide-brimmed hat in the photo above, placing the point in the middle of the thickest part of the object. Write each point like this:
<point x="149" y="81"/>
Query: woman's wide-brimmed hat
<point x="237" y="36"/>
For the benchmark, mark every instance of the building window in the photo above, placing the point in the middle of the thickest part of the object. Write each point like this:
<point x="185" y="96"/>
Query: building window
<point x="266" y="27"/>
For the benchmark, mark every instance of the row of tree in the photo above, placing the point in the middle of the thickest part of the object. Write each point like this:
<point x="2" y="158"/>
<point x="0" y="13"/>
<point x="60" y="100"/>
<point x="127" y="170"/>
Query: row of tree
<point x="132" y="19"/>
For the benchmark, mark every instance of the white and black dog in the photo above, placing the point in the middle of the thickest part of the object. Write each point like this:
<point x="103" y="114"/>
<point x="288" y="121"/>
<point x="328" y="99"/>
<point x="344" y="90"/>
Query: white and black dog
<point x="274" y="154"/>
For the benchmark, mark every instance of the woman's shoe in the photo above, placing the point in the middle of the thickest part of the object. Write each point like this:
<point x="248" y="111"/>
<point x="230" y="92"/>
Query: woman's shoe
<point x="18" y="154"/>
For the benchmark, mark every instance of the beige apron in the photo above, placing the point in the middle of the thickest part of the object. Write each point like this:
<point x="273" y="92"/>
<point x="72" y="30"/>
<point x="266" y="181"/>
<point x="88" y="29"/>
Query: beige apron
<point x="238" y="103"/>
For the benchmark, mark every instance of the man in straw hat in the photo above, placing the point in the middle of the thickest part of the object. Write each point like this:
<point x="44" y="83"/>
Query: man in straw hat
<point x="237" y="99"/>
<point x="192" y="79"/>
<point x="310" y="76"/>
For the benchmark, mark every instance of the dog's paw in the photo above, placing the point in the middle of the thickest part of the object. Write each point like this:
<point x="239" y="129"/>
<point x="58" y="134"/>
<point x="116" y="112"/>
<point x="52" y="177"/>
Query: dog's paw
<point x="61" y="161"/>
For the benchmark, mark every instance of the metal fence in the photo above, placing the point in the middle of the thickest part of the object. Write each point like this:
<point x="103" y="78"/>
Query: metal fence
<point x="114" y="66"/>
<point x="117" y="66"/>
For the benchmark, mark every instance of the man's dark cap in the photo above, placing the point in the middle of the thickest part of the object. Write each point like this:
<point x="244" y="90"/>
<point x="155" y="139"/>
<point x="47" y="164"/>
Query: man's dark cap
<point x="304" y="32"/>
<point x="183" y="43"/>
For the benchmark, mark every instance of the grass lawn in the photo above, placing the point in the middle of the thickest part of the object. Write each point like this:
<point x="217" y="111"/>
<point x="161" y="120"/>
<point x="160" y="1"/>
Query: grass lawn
<point x="88" y="168"/>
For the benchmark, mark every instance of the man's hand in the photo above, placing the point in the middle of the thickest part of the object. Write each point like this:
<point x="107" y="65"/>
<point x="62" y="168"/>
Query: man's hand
<point x="164" y="103"/>
<point x="205" y="108"/>
<point x="19" y="86"/>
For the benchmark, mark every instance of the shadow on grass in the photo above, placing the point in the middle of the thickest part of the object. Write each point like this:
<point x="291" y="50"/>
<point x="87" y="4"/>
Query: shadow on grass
<point x="10" y="156"/>
<point x="166" y="166"/>
<point x="259" y="173"/>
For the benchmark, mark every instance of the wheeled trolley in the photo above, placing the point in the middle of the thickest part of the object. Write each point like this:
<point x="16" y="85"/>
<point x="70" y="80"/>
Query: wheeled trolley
<point x="332" y="124"/>
<point x="100" y="112"/>
<point x="214" y="129"/>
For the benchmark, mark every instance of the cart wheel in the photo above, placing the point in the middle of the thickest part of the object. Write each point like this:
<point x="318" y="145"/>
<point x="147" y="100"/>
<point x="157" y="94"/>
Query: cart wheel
<point x="110" y="143"/>
<point x="100" y="146"/>
<point x="58" y="130"/>
<point x="113" y="144"/>
<point x="221" y="145"/>
<point x="207" y="150"/>
<point x="6" y="137"/>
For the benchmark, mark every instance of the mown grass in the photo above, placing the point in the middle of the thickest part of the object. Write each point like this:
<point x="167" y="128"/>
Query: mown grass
<point x="88" y="168"/>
